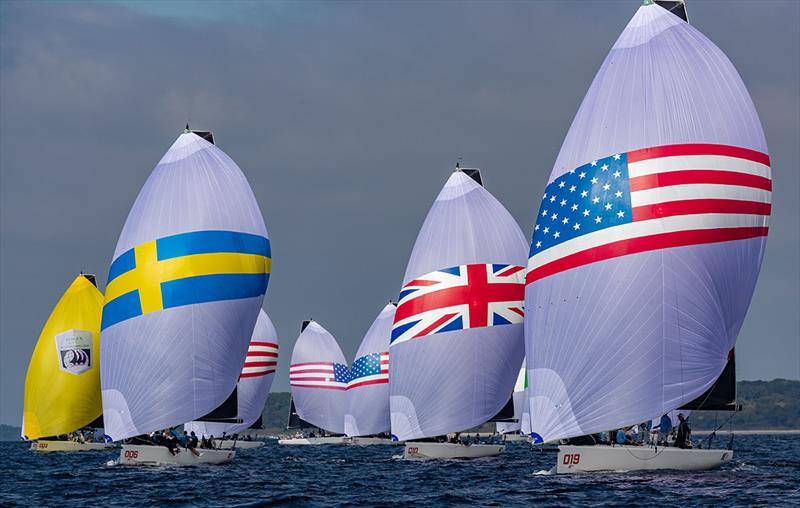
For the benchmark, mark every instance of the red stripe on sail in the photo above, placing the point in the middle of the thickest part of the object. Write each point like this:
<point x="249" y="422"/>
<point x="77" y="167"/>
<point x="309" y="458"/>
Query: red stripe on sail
<point x="643" y="244"/>
<point x="257" y="374"/>
<point x="436" y="324"/>
<point x="370" y="382"/>
<point x="693" y="176"/>
<point x="260" y="364"/>
<point x="267" y="344"/>
<point x="697" y="149"/>
<point x="262" y="353"/>
<point x="310" y="363"/>
<point x="696" y="206"/>
<point x="320" y="386"/>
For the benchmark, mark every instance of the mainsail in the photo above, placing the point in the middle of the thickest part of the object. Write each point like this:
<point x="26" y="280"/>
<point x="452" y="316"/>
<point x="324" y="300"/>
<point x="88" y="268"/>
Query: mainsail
<point x="254" y="381"/>
<point x="518" y="399"/>
<point x="368" y="388"/>
<point x="318" y="376"/>
<point x="184" y="290"/>
<point x="62" y="388"/>
<point x="650" y="235"/>
<point x="457" y="340"/>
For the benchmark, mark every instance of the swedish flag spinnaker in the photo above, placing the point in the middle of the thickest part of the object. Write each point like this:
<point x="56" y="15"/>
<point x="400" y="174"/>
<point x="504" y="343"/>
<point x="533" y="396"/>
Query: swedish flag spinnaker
<point x="185" y="287"/>
<point x="62" y="388"/>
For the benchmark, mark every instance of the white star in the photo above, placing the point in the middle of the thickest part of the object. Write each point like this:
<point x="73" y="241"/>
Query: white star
<point x="618" y="194"/>
<point x="595" y="200"/>
<point x="597" y="219"/>
<point x="581" y="175"/>
<point x="584" y="194"/>
<point x="606" y="187"/>
<point x="572" y="188"/>
<point x="574" y="207"/>
<point x="571" y="171"/>
<point x="594" y="180"/>
<point x="561" y="185"/>
<point x="586" y="213"/>
<point x="563" y="202"/>
<point x="554" y="216"/>
<point x="538" y="244"/>
<point x="552" y="198"/>
<point x="608" y="206"/>
<point x="604" y="167"/>
<point x="576" y="226"/>
<point x="594" y="163"/>
<point x="536" y="228"/>
<point x="616" y="157"/>
<point x="546" y="230"/>
<point x="556" y="234"/>
<point x="616" y="174"/>
<point x="544" y="197"/>
<point x="544" y="213"/>
<point x="620" y="214"/>
<point x="564" y="220"/>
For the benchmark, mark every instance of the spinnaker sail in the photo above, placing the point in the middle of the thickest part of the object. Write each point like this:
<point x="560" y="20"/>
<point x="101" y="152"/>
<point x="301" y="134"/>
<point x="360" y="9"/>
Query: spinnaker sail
<point x="184" y="290"/>
<point x="254" y="383"/>
<point x="368" y="387"/>
<point x="62" y="387"/>
<point x="457" y="339"/>
<point x="318" y="376"/>
<point x="649" y="237"/>
<point x="518" y="398"/>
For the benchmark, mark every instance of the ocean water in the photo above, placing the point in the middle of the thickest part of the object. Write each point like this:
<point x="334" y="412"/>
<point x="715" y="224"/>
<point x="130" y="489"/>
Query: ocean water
<point x="765" y="471"/>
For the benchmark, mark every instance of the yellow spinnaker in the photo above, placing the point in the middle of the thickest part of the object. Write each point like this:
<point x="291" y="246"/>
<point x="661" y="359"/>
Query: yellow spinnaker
<point x="62" y="388"/>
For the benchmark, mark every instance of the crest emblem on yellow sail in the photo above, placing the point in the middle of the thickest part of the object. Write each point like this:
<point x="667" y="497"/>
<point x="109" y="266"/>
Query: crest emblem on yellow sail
<point x="62" y="388"/>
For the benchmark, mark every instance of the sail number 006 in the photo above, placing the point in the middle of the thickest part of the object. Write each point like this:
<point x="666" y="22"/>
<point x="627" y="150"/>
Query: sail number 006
<point x="572" y="459"/>
<point x="131" y="454"/>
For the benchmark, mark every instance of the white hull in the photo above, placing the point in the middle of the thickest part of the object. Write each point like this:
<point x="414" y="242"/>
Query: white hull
<point x="306" y="441"/>
<point x="516" y="438"/>
<point x="426" y="450"/>
<point x="228" y="444"/>
<point x="576" y="459"/>
<point x="369" y="441"/>
<point x="68" y="446"/>
<point x="135" y="455"/>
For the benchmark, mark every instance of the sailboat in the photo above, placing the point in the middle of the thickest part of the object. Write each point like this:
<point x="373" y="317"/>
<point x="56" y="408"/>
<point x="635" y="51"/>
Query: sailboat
<point x="647" y="245"/>
<point x="62" y="387"/>
<point x="318" y="376"/>
<point x="252" y="388"/>
<point x="457" y="339"/>
<point x="511" y="430"/>
<point x="185" y="287"/>
<point x="367" y="413"/>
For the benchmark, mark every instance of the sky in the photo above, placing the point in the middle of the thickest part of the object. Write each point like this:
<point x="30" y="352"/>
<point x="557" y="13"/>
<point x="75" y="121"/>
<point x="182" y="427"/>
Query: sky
<point x="347" y="118"/>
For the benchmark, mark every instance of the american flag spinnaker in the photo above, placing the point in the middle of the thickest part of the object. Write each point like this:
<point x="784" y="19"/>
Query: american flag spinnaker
<point x="649" y="237"/>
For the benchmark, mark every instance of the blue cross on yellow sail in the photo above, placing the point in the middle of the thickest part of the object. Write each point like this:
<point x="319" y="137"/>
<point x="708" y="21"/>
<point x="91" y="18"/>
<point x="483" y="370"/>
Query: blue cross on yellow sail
<point x="183" y="269"/>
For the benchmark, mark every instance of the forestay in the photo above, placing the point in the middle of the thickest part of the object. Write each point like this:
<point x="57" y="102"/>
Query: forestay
<point x="650" y="235"/>
<point x="318" y="376"/>
<point x="457" y="340"/>
<point x="62" y="387"/>
<point x="368" y="387"/>
<point x="184" y="289"/>
<point x="254" y="381"/>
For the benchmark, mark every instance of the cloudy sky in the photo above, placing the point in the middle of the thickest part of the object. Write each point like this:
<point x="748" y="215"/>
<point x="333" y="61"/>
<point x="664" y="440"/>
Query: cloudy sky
<point x="346" y="118"/>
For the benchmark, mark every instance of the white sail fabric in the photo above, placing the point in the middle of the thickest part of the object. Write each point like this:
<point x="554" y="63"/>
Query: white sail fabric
<point x="184" y="290"/>
<point x="318" y="377"/>
<point x="368" y="388"/>
<point x="453" y="361"/>
<point x="254" y="381"/>
<point x="518" y="398"/>
<point x="632" y="311"/>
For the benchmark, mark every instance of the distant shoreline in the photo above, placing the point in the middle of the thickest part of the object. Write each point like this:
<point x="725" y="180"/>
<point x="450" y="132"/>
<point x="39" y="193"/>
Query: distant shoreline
<point x="749" y="431"/>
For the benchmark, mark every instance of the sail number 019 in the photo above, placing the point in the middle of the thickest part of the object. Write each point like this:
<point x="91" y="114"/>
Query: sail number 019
<point x="571" y="459"/>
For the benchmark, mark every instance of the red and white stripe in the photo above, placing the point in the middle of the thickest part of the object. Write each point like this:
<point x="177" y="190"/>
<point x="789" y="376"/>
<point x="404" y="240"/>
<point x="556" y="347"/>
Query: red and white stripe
<point x="262" y="359"/>
<point x="314" y="375"/>
<point x="681" y="195"/>
<point x="375" y="379"/>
